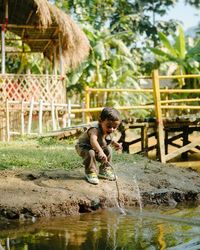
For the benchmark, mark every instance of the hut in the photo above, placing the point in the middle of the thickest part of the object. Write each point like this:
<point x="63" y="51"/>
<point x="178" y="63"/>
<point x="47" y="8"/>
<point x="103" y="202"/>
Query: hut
<point x="39" y="27"/>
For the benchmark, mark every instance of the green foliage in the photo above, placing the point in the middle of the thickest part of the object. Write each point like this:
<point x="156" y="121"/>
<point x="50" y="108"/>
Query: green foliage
<point x="119" y="33"/>
<point x="21" y="63"/>
<point x="195" y="3"/>
<point x="178" y="51"/>
<point x="111" y="64"/>
<point x="129" y="21"/>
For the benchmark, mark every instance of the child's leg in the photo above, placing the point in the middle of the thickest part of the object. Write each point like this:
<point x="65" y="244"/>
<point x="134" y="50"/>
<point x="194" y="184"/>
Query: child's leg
<point x="89" y="160"/>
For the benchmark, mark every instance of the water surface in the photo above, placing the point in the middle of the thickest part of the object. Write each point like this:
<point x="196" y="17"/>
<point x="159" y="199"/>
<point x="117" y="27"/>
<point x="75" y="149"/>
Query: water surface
<point x="177" y="229"/>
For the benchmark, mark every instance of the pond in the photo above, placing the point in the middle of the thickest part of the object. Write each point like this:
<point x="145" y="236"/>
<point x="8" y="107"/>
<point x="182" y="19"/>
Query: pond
<point x="155" y="228"/>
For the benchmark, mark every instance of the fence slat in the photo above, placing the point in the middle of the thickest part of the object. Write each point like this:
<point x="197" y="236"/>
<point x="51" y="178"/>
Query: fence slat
<point x="40" y="116"/>
<point x="30" y="116"/>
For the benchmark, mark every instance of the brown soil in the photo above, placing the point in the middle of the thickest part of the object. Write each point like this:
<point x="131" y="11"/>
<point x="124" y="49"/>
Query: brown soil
<point x="59" y="193"/>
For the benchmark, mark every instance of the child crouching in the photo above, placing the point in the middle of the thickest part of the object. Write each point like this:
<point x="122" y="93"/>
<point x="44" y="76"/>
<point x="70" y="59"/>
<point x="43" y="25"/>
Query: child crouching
<point x="95" y="145"/>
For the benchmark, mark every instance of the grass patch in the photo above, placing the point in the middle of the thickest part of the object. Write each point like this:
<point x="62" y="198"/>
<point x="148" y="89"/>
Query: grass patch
<point x="47" y="153"/>
<point x="34" y="154"/>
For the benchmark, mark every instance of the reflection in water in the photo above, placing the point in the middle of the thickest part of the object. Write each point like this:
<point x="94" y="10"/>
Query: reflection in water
<point x="137" y="190"/>
<point x="160" y="229"/>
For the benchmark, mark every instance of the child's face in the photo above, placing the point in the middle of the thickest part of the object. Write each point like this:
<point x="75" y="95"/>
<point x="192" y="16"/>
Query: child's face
<point x="109" y="126"/>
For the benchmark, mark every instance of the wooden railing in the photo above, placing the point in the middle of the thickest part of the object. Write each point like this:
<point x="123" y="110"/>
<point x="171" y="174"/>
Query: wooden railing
<point x="161" y="104"/>
<point x="170" y="105"/>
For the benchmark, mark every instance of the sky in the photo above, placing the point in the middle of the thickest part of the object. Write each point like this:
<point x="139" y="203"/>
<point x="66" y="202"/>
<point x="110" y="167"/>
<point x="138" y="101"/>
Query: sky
<point x="187" y="14"/>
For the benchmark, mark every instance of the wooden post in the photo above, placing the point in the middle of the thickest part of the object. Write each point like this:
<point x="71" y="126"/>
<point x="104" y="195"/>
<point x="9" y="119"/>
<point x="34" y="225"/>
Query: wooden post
<point x="3" y="53"/>
<point x="68" y="113"/>
<point x="83" y="113"/>
<point x="166" y="140"/>
<point x="185" y="141"/>
<point x="7" y="121"/>
<point x="87" y="104"/>
<point x="158" y="113"/>
<point x="57" y="118"/>
<point x="22" y="117"/>
<point x="47" y="79"/>
<point x="61" y="56"/>
<point x="54" y="61"/>
<point x="30" y="116"/>
<point x="40" y="116"/>
<point x="53" y="115"/>
<point x="144" y="139"/>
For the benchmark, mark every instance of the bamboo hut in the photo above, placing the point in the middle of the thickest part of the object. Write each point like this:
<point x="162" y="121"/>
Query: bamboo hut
<point x="40" y="27"/>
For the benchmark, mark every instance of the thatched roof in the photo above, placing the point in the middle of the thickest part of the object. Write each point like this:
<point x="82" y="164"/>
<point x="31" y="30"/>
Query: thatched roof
<point x="39" y="24"/>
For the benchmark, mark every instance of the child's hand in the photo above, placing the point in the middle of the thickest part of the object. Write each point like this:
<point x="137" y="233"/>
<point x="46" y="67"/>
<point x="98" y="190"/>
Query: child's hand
<point x="117" y="146"/>
<point x="102" y="156"/>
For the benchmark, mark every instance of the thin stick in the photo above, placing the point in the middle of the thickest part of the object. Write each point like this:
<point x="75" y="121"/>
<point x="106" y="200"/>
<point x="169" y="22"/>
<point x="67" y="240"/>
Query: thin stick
<point x="117" y="186"/>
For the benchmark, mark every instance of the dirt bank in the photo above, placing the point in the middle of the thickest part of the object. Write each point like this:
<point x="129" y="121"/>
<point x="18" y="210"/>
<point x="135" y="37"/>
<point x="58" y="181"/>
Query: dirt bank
<point x="29" y="194"/>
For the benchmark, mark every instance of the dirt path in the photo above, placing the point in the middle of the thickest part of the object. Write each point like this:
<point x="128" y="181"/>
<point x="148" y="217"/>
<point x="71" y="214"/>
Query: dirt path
<point x="59" y="193"/>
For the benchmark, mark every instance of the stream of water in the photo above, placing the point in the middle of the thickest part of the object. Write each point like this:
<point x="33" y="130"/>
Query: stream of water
<point x="172" y="229"/>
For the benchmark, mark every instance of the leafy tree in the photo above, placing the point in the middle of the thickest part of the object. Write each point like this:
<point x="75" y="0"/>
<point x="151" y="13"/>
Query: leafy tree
<point x="195" y="3"/>
<point x="136" y="18"/>
<point x="111" y="64"/>
<point x="185" y="58"/>
<point x="111" y="25"/>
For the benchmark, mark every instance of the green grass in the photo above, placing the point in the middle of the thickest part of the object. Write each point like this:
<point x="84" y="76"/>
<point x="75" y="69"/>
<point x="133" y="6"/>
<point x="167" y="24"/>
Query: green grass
<point x="38" y="154"/>
<point x="46" y="153"/>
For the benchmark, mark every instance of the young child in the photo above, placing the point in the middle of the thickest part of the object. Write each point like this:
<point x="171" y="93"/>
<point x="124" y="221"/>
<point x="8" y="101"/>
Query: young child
<point x="94" y="145"/>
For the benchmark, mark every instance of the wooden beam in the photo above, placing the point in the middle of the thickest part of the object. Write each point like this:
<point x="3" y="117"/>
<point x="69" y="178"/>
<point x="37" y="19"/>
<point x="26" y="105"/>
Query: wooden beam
<point x="21" y="52"/>
<point x="180" y="107"/>
<point x="172" y="91"/>
<point x="16" y="26"/>
<point x="182" y="150"/>
<point x="181" y="100"/>
<point x="48" y="44"/>
<point x="179" y="76"/>
<point x="32" y="39"/>
<point x="173" y="138"/>
<point x="29" y="16"/>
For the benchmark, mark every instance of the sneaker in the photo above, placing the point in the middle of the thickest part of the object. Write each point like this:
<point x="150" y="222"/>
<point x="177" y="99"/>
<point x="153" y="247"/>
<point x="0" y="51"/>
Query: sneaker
<point x="92" y="178"/>
<point x="107" y="174"/>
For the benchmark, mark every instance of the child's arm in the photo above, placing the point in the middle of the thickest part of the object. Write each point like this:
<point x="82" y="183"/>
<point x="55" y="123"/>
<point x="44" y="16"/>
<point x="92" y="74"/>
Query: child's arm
<point x="116" y="145"/>
<point x="93" y="133"/>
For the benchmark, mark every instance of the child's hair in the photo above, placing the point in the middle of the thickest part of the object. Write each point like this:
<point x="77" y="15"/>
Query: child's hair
<point x="110" y="114"/>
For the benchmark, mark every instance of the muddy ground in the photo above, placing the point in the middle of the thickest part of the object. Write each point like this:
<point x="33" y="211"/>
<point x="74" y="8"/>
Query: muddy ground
<point x="28" y="194"/>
